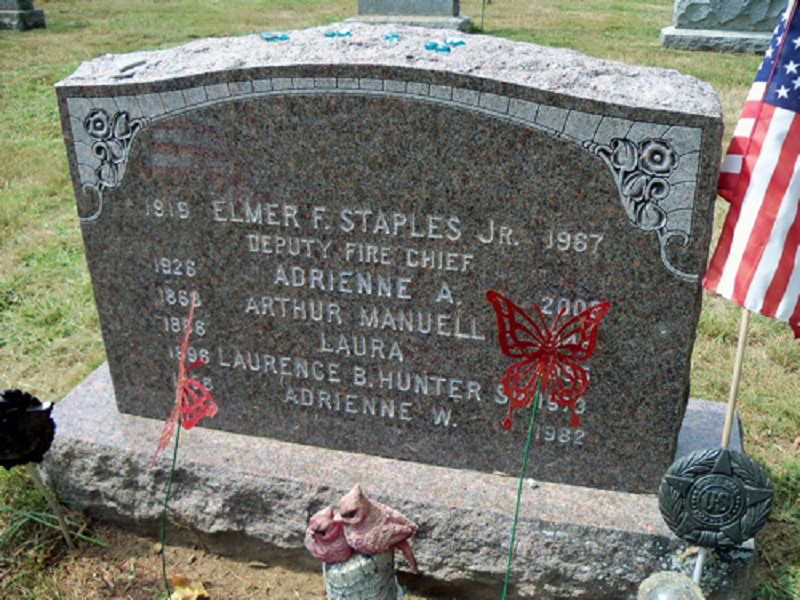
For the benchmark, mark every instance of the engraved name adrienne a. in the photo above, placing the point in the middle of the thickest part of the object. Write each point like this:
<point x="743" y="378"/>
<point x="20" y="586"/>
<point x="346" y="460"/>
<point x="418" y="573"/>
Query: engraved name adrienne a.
<point x="343" y="282"/>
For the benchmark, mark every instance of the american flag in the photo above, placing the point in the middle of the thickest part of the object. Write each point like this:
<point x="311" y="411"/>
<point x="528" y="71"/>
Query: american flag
<point x="757" y="263"/>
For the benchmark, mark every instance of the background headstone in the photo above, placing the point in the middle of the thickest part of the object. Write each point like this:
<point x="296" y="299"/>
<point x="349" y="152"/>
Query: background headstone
<point x="20" y="15"/>
<point x="439" y="8"/>
<point x="439" y="14"/>
<point x="723" y="25"/>
<point x="340" y="206"/>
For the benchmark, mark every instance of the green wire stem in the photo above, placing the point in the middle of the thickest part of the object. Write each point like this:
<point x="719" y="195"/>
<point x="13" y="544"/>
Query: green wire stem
<point x="519" y="492"/>
<point x="162" y="535"/>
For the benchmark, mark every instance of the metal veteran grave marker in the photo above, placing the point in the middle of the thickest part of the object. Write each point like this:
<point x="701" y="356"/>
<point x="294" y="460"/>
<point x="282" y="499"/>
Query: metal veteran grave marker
<point x="340" y="205"/>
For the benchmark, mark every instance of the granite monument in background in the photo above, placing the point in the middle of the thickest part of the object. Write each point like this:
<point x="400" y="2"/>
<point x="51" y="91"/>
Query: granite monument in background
<point x="723" y="25"/>
<point x="20" y="15"/>
<point x="438" y="14"/>
<point x="339" y="207"/>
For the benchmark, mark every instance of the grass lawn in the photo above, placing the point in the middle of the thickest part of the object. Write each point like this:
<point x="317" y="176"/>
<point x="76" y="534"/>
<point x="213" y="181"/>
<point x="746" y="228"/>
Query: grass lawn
<point x="49" y="334"/>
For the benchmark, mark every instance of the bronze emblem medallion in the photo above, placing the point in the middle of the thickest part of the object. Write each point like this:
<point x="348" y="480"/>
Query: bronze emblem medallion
<point x="715" y="498"/>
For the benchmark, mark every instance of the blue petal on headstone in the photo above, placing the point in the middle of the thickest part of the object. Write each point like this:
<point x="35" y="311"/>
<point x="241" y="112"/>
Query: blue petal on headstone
<point x="332" y="33"/>
<point x="454" y="41"/>
<point x="391" y="37"/>
<point x="437" y="47"/>
<point x="274" y="37"/>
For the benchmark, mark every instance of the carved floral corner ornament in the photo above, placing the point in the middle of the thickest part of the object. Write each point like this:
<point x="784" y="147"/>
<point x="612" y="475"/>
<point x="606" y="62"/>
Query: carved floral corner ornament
<point x="641" y="172"/>
<point x="111" y="139"/>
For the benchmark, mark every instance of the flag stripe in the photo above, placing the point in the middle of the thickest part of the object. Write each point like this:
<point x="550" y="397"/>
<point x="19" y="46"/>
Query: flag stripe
<point x="744" y="128"/>
<point x="736" y="230"/>
<point x="756" y="93"/>
<point x="732" y="164"/>
<point x="740" y="143"/>
<point x="775" y="270"/>
<point x="795" y="286"/>
<point x="771" y="177"/>
<point x="788" y="307"/>
<point x="738" y="148"/>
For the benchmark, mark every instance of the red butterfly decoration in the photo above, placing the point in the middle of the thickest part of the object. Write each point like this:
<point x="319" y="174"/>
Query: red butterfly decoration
<point x="192" y="400"/>
<point x="550" y="355"/>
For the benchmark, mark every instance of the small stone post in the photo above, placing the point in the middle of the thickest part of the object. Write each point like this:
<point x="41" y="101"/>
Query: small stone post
<point x="363" y="577"/>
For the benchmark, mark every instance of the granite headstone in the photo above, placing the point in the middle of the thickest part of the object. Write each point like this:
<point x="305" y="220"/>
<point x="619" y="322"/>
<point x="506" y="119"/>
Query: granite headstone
<point x="439" y="14"/>
<point x="341" y="204"/>
<point x="20" y="15"/>
<point x="439" y="8"/>
<point x="340" y="207"/>
<point x="723" y="25"/>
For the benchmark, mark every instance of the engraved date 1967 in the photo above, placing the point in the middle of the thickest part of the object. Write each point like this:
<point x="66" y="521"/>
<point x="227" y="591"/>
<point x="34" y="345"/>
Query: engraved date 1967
<point x="566" y="241"/>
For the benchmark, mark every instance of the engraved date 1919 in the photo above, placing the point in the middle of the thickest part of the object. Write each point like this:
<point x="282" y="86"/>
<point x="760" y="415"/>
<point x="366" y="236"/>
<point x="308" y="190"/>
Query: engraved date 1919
<point x="166" y="209"/>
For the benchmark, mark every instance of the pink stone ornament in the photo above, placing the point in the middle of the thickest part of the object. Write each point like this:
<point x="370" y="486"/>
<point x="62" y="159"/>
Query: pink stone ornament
<point x="325" y="538"/>
<point x="371" y="527"/>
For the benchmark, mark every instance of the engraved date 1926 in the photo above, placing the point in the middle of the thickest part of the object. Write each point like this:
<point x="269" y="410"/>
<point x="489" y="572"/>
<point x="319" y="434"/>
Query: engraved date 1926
<point x="175" y="267"/>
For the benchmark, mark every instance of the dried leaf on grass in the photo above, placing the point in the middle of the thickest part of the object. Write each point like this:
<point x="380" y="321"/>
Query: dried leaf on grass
<point x="188" y="590"/>
<point x="796" y="444"/>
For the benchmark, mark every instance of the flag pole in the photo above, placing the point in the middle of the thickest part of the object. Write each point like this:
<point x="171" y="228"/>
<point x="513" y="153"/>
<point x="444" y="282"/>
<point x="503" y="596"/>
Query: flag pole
<point x="744" y="324"/>
<point x="737" y="375"/>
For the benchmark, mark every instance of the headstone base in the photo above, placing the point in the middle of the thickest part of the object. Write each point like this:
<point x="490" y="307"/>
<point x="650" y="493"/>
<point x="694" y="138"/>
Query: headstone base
<point x="252" y="497"/>
<point x="20" y="20"/>
<point x="460" y="23"/>
<point x="715" y="40"/>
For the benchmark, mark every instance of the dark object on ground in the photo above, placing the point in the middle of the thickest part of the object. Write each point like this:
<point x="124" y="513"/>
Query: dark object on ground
<point x="26" y="428"/>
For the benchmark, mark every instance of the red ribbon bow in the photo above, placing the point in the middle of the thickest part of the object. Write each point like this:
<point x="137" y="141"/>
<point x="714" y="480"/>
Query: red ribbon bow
<point x="192" y="400"/>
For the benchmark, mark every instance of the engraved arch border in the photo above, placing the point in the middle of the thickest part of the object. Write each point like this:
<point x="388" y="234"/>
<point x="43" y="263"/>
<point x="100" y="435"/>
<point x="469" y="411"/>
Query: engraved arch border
<point x="599" y="135"/>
